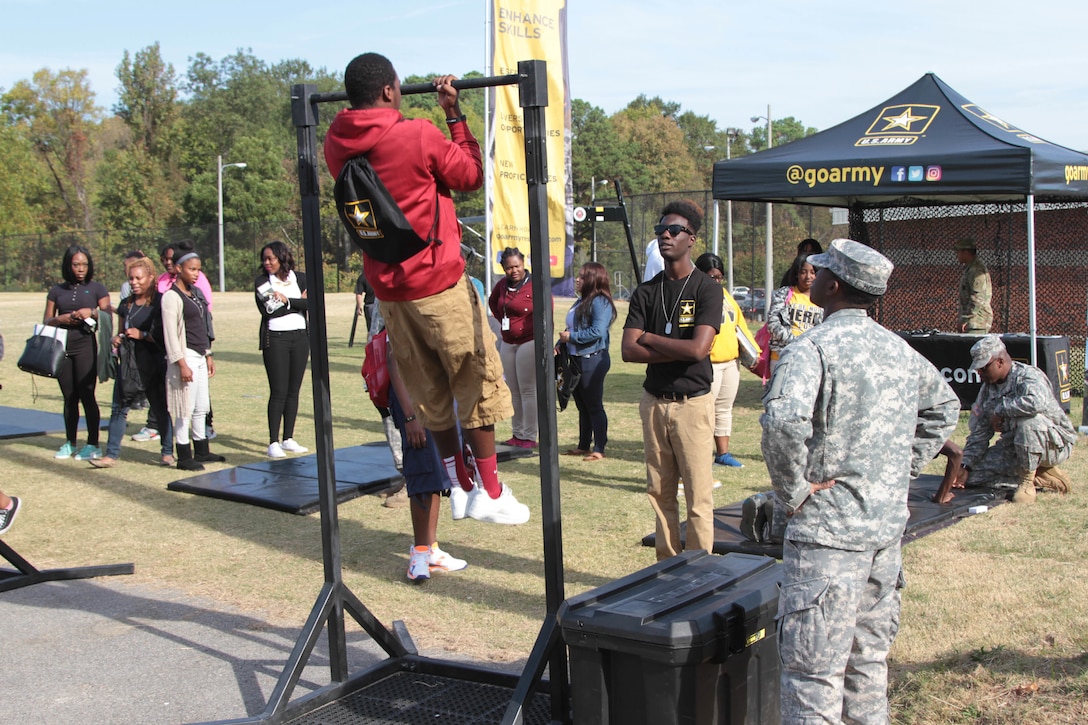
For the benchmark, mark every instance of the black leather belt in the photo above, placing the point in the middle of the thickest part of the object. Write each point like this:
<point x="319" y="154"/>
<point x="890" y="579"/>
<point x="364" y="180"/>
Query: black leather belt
<point x="592" y="354"/>
<point x="679" y="397"/>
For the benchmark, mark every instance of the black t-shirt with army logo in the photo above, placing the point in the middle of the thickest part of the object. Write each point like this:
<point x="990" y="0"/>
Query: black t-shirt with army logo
<point x="684" y="307"/>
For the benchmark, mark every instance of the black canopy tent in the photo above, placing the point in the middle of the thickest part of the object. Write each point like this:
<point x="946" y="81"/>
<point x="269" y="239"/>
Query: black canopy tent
<point x="925" y="146"/>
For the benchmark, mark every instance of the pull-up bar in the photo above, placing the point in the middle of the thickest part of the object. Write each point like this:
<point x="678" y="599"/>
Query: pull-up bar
<point x="335" y="598"/>
<point x="460" y="84"/>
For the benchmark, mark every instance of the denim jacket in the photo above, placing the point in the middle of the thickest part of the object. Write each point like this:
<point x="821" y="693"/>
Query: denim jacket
<point x="594" y="338"/>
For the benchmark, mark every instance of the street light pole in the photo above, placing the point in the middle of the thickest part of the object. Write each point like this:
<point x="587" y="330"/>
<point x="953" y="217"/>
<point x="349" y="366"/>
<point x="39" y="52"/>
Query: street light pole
<point x="769" y="252"/>
<point x="730" y="134"/>
<point x="219" y="183"/>
<point x="593" y="214"/>
<point x="716" y="228"/>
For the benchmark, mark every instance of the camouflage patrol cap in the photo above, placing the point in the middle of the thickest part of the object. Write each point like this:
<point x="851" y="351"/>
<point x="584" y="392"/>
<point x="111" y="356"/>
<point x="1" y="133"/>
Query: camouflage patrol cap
<point x="985" y="350"/>
<point x="856" y="264"/>
<point x="965" y="244"/>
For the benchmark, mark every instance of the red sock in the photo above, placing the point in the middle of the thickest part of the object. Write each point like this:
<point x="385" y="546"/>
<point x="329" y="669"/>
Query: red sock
<point x="488" y="468"/>
<point x="458" y="474"/>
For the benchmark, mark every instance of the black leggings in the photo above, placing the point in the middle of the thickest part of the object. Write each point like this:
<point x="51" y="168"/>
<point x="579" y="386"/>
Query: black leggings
<point x="77" y="384"/>
<point x="285" y="361"/>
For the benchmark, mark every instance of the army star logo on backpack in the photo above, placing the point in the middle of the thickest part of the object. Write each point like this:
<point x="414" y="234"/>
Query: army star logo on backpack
<point x="372" y="217"/>
<point x="361" y="216"/>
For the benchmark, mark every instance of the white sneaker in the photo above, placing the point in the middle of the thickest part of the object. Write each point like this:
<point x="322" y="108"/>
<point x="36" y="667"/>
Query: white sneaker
<point x="145" y="434"/>
<point x="275" y="450"/>
<point x="459" y="499"/>
<point x="441" y="561"/>
<point x="502" y="510"/>
<point x="419" y="564"/>
<point x="680" y="487"/>
<point x="291" y="446"/>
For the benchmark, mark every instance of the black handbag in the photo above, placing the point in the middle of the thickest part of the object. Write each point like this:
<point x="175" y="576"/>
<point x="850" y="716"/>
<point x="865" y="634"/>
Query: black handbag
<point x="568" y="373"/>
<point x="44" y="353"/>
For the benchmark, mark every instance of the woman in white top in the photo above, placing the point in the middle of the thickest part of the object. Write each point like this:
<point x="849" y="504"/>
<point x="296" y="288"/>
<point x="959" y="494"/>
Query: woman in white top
<point x="280" y="293"/>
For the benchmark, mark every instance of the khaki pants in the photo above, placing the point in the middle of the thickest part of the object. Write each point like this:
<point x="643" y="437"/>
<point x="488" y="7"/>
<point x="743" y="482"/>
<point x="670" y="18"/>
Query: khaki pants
<point x="679" y="440"/>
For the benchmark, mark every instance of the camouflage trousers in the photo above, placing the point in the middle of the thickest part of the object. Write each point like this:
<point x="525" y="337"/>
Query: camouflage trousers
<point x="1032" y="442"/>
<point x="838" y="614"/>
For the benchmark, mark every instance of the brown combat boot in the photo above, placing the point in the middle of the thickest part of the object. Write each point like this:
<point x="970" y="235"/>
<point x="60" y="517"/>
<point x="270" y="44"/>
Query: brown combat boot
<point x="1052" y="478"/>
<point x="1025" y="492"/>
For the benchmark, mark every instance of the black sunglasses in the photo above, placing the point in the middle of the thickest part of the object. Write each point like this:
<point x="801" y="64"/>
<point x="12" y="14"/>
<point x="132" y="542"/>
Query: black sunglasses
<point x="672" y="229"/>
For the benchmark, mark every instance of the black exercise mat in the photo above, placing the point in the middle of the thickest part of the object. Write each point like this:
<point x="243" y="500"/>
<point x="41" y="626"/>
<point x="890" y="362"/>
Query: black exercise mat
<point x="925" y="517"/>
<point x="291" y="485"/>
<point x="24" y="423"/>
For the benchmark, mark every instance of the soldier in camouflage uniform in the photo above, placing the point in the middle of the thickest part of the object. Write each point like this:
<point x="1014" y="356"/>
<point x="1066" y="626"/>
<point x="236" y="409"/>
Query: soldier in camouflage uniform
<point x="1017" y="401"/>
<point x="851" y="414"/>
<point x="975" y="316"/>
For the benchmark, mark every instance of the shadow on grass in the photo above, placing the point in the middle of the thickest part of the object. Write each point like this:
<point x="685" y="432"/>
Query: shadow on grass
<point x="996" y="684"/>
<point x="364" y="551"/>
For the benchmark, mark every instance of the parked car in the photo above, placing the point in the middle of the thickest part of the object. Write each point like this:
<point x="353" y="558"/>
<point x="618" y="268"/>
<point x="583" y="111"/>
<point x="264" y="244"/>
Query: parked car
<point x="754" y="303"/>
<point x="739" y="292"/>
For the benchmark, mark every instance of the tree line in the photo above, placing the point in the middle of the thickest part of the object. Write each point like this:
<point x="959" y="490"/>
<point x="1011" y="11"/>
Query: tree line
<point x="149" y="162"/>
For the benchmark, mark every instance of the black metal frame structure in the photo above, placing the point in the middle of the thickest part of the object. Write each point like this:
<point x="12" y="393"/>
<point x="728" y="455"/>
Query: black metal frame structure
<point x="26" y="573"/>
<point x="335" y="598"/>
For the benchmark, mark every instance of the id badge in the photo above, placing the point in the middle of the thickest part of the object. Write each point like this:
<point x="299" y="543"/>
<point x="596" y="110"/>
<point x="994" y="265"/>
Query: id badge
<point x="505" y="324"/>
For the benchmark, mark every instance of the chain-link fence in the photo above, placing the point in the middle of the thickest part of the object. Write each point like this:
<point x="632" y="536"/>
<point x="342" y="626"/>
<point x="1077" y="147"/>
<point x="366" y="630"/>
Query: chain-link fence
<point x="789" y="223"/>
<point x="31" y="262"/>
<point x="922" y="294"/>
<point x="923" y="291"/>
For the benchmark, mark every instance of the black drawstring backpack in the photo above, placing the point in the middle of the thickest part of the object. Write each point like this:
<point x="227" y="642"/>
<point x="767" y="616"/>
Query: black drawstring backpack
<point x="372" y="217"/>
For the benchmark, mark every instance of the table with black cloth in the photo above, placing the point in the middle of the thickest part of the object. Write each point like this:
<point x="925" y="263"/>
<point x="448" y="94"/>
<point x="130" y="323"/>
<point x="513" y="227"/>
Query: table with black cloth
<point x="951" y="354"/>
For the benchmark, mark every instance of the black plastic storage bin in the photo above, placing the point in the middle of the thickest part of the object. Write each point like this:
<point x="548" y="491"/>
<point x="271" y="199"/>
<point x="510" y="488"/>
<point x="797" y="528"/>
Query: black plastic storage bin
<point x="690" y="640"/>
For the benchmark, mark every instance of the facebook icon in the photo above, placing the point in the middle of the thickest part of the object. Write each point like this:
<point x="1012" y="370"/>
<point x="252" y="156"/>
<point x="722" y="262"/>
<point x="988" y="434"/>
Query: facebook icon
<point x="899" y="173"/>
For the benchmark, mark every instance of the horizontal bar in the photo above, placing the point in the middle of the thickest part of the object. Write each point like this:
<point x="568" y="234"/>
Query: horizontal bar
<point x="413" y="88"/>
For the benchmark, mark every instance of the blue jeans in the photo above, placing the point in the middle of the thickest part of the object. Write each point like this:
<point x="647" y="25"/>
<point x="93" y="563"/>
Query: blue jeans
<point x="589" y="399"/>
<point x="156" y="400"/>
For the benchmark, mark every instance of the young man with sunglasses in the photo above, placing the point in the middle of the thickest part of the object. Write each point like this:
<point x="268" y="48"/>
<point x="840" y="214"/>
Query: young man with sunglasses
<point x="670" y="326"/>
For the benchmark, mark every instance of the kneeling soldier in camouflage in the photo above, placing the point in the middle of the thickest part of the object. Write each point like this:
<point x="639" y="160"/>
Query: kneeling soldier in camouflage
<point x="1016" y="401"/>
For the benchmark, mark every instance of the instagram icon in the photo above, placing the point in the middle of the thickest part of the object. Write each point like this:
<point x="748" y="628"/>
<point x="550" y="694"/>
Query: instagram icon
<point x="933" y="173"/>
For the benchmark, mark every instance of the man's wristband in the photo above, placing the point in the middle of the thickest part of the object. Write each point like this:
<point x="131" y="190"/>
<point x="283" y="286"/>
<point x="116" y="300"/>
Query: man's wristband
<point x="409" y="418"/>
<point x="460" y="119"/>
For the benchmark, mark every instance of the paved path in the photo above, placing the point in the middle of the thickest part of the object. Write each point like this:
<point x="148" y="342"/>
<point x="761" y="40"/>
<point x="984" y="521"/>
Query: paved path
<point x="108" y="651"/>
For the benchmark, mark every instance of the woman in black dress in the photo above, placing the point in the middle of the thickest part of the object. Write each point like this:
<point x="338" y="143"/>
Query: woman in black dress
<point x="75" y="305"/>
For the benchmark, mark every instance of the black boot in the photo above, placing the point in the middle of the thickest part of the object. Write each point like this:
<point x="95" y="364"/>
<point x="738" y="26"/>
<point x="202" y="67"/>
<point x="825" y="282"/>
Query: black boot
<point x="751" y="512"/>
<point x="185" y="458"/>
<point x="203" y="454"/>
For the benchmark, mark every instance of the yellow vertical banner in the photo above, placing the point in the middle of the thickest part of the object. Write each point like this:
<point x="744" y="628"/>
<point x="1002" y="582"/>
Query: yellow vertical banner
<point x="529" y="30"/>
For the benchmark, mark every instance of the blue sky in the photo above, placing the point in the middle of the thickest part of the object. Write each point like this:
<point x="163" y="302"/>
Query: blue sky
<point x="821" y="62"/>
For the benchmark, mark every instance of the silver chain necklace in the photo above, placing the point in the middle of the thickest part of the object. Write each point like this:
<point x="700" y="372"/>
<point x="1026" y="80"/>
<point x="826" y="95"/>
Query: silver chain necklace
<point x="668" y="315"/>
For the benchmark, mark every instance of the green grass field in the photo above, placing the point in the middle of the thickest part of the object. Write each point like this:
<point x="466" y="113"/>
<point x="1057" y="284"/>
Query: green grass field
<point x="995" y="616"/>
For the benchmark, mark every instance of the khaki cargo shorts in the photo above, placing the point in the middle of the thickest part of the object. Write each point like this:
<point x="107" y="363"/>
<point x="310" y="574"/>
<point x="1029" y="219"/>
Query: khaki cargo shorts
<point x="445" y="351"/>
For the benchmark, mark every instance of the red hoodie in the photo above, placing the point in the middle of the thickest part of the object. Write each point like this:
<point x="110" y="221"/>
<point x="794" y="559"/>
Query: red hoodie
<point x="411" y="157"/>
